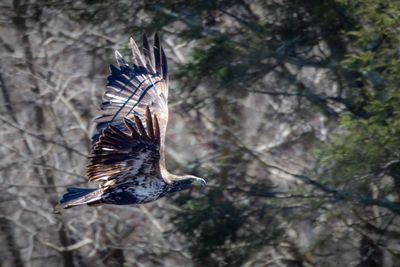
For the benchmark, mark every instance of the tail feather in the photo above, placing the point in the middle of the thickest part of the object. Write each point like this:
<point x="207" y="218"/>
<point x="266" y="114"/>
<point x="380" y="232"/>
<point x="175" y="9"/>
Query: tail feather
<point x="77" y="196"/>
<point x="73" y="193"/>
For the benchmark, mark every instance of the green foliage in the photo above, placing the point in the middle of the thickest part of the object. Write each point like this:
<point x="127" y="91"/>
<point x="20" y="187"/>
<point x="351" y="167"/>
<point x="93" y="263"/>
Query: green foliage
<point x="213" y="224"/>
<point x="214" y="62"/>
<point x="210" y="222"/>
<point x="367" y="143"/>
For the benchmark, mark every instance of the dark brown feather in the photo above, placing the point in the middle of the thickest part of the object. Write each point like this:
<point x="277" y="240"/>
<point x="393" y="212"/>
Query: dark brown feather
<point x="164" y="65"/>
<point x="157" y="53"/>
<point x="156" y="128"/>
<point x="149" y="124"/>
<point x="140" y="126"/>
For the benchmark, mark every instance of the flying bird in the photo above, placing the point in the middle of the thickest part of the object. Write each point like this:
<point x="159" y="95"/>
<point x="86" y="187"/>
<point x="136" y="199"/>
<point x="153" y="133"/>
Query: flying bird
<point x="128" y="151"/>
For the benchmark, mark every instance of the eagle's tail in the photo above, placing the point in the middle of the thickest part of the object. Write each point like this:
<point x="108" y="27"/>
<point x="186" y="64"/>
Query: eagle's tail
<point x="77" y="196"/>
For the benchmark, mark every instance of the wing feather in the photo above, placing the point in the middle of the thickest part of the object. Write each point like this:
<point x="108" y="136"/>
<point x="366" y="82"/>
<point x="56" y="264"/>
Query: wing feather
<point x="137" y="56"/>
<point x="156" y="128"/>
<point x="141" y="128"/>
<point x="147" y="54"/>
<point x="157" y="53"/>
<point x="164" y="65"/>
<point x="149" y="124"/>
<point x="130" y="89"/>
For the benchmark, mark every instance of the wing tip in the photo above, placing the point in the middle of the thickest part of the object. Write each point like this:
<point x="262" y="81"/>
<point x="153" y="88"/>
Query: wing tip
<point x="144" y="36"/>
<point x="120" y="59"/>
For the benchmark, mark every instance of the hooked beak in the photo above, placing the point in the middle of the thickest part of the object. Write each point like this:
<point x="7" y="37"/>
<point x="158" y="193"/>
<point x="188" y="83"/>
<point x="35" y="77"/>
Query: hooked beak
<point x="199" y="181"/>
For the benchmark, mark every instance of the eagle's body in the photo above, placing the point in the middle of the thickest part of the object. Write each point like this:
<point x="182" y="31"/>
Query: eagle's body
<point x="128" y="155"/>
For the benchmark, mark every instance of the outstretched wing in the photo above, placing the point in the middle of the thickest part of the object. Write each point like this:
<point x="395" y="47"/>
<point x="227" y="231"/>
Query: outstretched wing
<point x="131" y="89"/>
<point x="119" y="156"/>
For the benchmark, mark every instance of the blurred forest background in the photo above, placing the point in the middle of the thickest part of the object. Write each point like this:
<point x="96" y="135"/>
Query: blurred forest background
<point x="290" y="109"/>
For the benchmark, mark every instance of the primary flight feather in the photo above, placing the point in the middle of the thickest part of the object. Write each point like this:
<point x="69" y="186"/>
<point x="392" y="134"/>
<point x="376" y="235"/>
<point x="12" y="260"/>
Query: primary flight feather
<point x="128" y="153"/>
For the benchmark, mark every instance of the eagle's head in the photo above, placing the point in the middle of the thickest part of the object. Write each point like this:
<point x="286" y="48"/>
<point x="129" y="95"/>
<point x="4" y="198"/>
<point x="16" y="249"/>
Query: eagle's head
<point x="185" y="182"/>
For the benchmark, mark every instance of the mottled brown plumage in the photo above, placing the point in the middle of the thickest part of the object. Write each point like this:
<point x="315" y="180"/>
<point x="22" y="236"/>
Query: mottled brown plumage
<point x="116" y="152"/>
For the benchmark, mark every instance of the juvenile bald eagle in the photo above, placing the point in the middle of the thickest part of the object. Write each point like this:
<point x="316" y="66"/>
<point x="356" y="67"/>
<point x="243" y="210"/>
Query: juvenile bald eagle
<point x="128" y="155"/>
